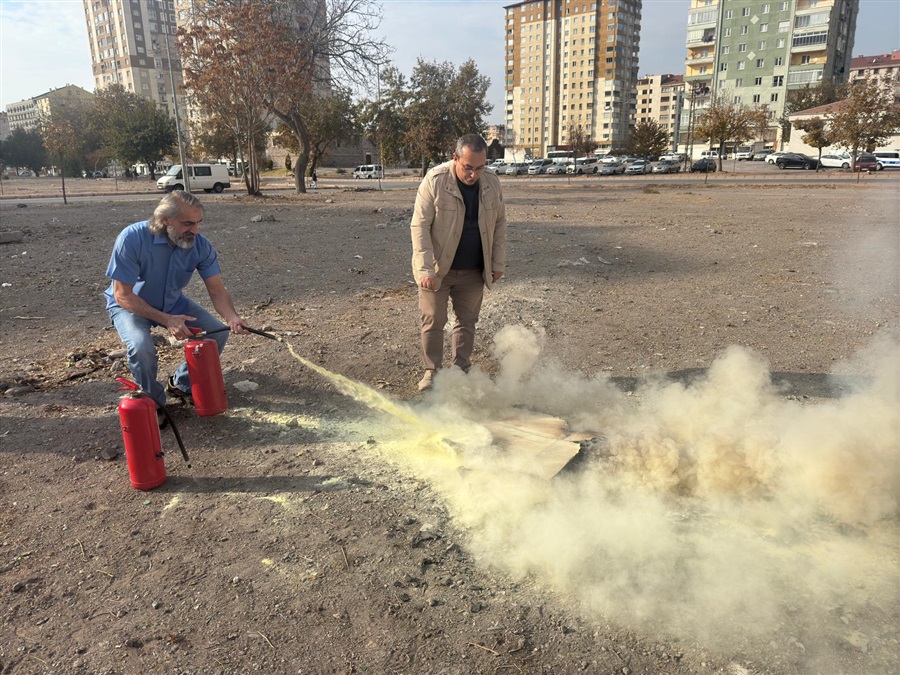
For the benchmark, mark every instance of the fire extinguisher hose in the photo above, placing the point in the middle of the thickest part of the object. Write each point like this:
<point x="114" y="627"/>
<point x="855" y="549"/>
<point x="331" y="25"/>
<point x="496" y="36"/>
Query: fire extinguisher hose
<point x="177" y="435"/>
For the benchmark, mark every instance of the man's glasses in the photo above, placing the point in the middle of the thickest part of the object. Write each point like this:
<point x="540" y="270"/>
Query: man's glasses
<point x="472" y="169"/>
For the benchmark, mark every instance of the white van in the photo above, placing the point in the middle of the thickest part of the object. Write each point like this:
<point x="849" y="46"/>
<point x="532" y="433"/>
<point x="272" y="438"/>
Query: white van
<point x="712" y="154"/>
<point x="206" y="177"/>
<point x="369" y="171"/>
<point x="887" y="159"/>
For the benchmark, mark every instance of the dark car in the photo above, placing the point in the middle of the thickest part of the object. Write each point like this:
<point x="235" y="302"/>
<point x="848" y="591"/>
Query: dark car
<point x="793" y="160"/>
<point x="704" y="165"/>
<point x="867" y="163"/>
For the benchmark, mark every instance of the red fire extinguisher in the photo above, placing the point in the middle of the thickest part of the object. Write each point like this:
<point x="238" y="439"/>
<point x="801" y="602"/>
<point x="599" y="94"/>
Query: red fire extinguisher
<point x="205" y="370"/>
<point x="140" y="431"/>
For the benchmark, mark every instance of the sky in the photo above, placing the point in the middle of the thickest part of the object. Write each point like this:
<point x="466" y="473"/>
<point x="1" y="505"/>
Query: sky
<point x="43" y="43"/>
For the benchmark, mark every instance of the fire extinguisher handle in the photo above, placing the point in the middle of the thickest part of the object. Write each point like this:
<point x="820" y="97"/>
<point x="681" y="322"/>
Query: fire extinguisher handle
<point x="128" y="385"/>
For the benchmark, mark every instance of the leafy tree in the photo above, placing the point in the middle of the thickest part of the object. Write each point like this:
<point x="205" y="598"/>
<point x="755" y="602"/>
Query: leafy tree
<point x="866" y="118"/>
<point x="331" y="119"/>
<point x="227" y="56"/>
<point x="25" y="149"/>
<point x="818" y="135"/>
<point x="436" y="120"/>
<point x="211" y="139"/>
<point x="649" y="139"/>
<point x="724" y="121"/>
<point x="384" y="120"/>
<point x="134" y="129"/>
<point x="64" y="137"/>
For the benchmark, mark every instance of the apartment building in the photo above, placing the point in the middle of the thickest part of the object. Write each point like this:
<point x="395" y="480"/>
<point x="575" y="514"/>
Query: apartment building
<point x="571" y="66"/>
<point x="4" y="126"/>
<point x="659" y="98"/>
<point x="28" y="114"/>
<point x="885" y="67"/>
<point x="133" y="44"/>
<point x="754" y="51"/>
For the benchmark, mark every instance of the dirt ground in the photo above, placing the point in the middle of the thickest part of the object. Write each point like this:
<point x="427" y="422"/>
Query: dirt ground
<point x="315" y="533"/>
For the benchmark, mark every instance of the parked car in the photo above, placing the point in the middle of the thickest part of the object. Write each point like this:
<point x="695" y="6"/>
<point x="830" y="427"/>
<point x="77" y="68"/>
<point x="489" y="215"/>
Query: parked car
<point x="612" y="168"/>
<point x="640" y="166"/>
<point x="556" y="169"/>
<point x="705" y="165"/>
<point x="712" y="154"/>
<point x="516" y="168"/>
<point x="760" y="155"/>
<point x="667" y="166"/>
<point x="583" y="165"/>
<point x="835" y="161"/>
<point x="539" y="166"/>
<point x="772" y="156"/>
<point x="793" y="160"/>
<point x="867" y="162"/>
<point x="672" y="156"/>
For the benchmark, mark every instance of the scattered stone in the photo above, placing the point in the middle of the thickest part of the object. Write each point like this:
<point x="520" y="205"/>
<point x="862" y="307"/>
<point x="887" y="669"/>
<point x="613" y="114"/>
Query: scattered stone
<point x="11" y="237"/>
<point x="156" y="605"/>
<point x="109" y="454"/>
<point x="246" y="386"/>
<point x="21" y="206"/>
<point x="258" y="218"/>
<point x="20" y="390"/>
<point x="118" y="354"/>
<point x="329" y="201"/>
<point x="134" y="643"/>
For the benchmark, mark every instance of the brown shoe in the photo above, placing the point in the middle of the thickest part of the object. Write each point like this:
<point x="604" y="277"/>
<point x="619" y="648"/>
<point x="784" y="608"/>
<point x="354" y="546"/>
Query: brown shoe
<point x="427" y="381"/>
<point x="178" y="394"/>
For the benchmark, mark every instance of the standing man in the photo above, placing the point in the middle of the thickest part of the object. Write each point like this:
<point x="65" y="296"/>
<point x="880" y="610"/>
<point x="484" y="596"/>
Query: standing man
<point x="152" y="263"/>
<point x="459" y="247"/>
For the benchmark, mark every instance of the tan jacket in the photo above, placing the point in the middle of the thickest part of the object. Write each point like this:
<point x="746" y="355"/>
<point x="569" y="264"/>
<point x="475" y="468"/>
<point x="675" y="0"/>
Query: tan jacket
<point x="437" y="224"/>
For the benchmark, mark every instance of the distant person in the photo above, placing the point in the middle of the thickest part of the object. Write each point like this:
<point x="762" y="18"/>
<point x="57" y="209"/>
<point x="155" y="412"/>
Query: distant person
<point x="315" y="179"/>
<point x="151" y="264"/>
<point x="459" y="247"/>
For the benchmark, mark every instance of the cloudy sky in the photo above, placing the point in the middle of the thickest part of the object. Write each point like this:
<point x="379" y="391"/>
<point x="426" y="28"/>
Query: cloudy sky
<point x="43" y="43"/>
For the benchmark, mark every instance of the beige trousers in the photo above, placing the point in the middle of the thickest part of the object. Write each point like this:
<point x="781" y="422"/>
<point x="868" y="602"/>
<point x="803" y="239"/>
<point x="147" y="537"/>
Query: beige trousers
<point x="465" y="288"/>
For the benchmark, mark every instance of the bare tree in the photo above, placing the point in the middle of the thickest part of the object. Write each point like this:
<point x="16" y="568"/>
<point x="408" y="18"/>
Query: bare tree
<point x="580" y="141"/>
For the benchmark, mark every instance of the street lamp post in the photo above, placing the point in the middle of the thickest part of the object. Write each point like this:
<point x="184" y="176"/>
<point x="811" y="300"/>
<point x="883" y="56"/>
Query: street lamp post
<point x="185" y="171"/>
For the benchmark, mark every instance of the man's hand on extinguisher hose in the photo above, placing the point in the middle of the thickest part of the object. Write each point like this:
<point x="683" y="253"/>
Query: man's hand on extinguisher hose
<point x="176" y="325"/>
<point x="237" y="324"/>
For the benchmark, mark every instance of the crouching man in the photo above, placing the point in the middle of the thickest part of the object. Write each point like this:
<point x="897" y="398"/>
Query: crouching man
<point x="151" y="264"/>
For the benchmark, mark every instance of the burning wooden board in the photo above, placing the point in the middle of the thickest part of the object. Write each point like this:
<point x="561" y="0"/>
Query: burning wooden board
<point x="541" y="444"/>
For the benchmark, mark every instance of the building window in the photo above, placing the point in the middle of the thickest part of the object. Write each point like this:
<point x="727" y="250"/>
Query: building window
<point x="784" y="26"/>
<point x="739" y="82"/>
<point x="757" y="81"/>
<point x="723" y="67"/>
<point x="778" y="81"/>
<point x="745" y="11"/>
<point x="726" y="49"/>
<point x="779" y="43"/>
<point x="765" y="9"/>
<point x="760" y="63"/>
<point x="727" y="32"/>
<point x="744" y="30"/>
<point x="773" y="97"/>
<point x="761" y="45"/>
<point x="728" y="14"/>
<point x="742" y="47"/>
<point x="741" y="65"/>
<point x="763" y="28"/>
<point x="779" y="61"/>
<point x="805" y="59"/>
<point x="736" y="99"/>
<point x="756" y="98"/>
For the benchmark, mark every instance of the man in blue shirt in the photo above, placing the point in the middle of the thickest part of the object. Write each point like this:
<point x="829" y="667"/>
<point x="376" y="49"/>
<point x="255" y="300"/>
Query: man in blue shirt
<point x="152" y="263"/>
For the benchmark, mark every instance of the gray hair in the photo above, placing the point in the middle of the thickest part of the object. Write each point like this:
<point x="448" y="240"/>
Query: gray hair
<point x="473" y="142"/>
<point x="169" y="207"/>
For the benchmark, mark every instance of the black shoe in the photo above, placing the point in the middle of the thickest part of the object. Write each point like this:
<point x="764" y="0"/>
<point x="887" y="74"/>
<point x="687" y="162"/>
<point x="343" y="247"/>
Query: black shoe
<point x="178" y="394"/>
<point x="161" y="418"/>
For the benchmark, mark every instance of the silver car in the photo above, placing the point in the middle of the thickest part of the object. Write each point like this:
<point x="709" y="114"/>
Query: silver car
<point x="517" y="169"/>
<point x="612" y="168"/>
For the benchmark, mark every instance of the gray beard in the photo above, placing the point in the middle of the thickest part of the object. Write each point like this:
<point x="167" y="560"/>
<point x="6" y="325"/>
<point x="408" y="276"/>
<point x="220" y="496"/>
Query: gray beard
<point x="180" y="240"/>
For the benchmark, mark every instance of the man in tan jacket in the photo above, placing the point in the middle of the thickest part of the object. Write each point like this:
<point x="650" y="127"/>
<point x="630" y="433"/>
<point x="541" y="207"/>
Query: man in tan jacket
<point x="459" y="247"/>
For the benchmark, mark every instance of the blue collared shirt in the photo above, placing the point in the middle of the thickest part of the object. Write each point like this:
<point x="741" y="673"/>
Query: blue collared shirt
<point x="158" y="271"/>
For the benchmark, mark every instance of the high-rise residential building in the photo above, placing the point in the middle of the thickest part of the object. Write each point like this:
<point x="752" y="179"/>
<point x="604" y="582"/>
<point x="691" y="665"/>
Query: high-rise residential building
<point x="4" y="126"/>
<point x="754" y="51"/>
<point x="659" y="98"/>
<point x="571" y="66"/>
<point x="28" y="114"/>
<point x="133" y="44"/>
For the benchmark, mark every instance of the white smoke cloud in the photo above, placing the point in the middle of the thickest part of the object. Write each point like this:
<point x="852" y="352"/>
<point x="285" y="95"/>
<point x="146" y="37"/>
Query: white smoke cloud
<point x="718" y="510"/>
